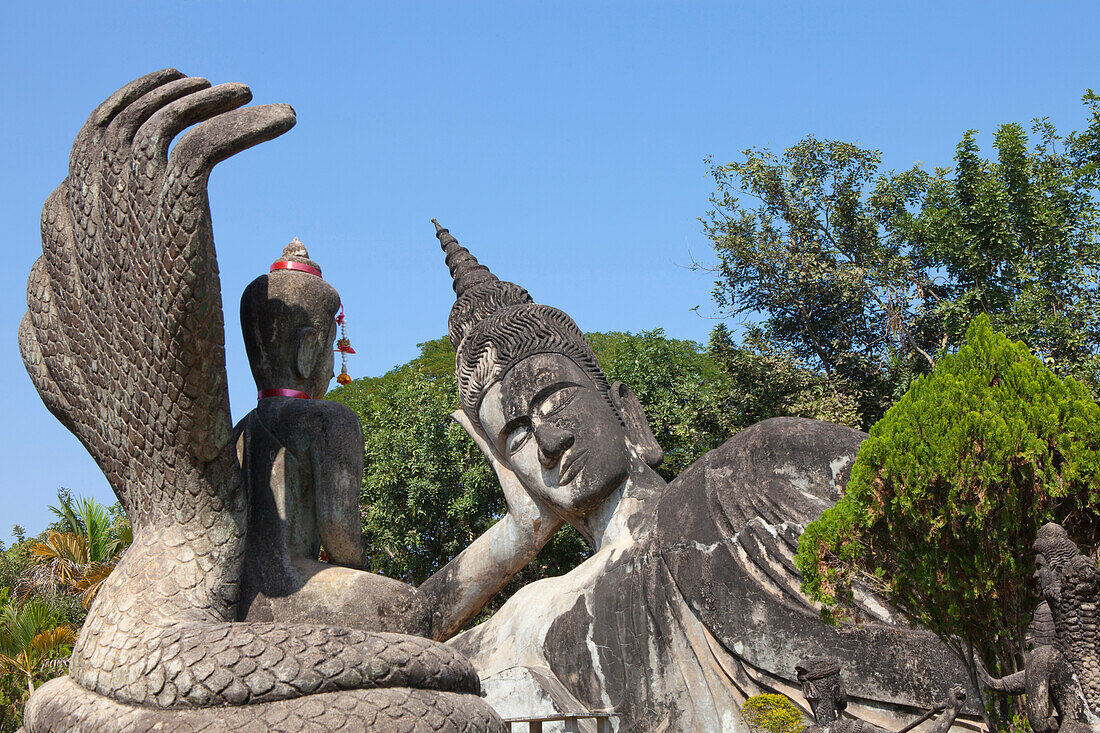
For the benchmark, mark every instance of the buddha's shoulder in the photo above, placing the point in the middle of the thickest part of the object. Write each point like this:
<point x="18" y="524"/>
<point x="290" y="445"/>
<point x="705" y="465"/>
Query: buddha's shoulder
<point x="786" y="444"/>
<point x="782" y="469"/>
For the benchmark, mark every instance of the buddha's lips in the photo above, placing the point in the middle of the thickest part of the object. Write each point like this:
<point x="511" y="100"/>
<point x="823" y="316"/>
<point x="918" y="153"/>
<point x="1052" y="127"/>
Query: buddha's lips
<point x="571" y="466"/>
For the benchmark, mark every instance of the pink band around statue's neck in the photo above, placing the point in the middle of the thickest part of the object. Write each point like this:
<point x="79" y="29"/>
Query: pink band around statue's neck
<point x="301" y="267"/>
<point x="282" y="392"/>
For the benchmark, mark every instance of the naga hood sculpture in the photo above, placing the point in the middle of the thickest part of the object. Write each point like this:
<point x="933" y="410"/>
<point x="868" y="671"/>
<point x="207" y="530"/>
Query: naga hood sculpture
<point x="124" y="340"/>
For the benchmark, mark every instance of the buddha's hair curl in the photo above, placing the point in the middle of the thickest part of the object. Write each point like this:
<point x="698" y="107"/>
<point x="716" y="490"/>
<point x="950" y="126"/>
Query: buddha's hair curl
<point x="479" y="302"/>
<point x="1053" y="543"/>
<point x="509" y="335"/>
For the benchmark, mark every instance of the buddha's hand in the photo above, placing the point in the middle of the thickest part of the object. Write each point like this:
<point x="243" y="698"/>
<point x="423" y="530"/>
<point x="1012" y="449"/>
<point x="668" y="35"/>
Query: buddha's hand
<point x="524" y="508"/>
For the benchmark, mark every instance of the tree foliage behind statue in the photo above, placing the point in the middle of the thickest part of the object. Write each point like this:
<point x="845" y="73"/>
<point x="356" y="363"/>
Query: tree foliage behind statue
<point x="946" y="496"/>
<point x="869" y="278"/>
<point x="428" y="492"/>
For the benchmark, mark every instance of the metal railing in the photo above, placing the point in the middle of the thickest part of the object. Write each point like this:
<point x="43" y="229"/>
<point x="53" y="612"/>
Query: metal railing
<point x="534" y="725"/>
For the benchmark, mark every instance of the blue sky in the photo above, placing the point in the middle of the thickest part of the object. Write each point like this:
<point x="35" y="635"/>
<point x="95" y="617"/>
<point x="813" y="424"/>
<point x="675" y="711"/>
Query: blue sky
<point x="561" y="141"/>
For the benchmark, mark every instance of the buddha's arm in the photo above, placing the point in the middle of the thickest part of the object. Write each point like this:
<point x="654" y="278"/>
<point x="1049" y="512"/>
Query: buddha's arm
<point x="338" y="474"/>
<point x="458" y="592"/>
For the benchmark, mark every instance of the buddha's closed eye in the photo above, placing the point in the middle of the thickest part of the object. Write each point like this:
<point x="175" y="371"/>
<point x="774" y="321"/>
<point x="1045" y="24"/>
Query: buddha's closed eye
<point x="556" y="401"/>
<point x="516" y="437"/>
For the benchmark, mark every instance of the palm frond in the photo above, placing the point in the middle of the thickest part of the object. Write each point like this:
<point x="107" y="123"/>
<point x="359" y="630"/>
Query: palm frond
<point x="61" y="558"/>
<point x="67" y="546"/>
<point x="65" y="512"/>
<point x="11" y="664"/>
<point x="20" y="625"/>
<point x="97" y="529"/>
<point x="49" y="642"/>
<point x="123" y="535"/>
<point x="92" y="579"/>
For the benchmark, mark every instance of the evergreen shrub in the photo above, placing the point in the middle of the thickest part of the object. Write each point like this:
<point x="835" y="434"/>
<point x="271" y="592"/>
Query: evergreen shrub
<point x="947" y="494"/>
<point x="772" y="714"/>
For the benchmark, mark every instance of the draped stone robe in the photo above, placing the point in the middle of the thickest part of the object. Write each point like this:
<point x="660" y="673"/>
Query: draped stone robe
<point x="672" y="629"/>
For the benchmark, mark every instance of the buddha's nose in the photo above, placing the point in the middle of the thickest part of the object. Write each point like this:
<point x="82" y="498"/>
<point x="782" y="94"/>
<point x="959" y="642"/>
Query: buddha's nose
<point x="552" y="442"/>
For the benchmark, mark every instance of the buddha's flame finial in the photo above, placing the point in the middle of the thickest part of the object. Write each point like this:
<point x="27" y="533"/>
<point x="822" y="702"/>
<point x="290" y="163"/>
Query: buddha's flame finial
<point x="466" y="271"/>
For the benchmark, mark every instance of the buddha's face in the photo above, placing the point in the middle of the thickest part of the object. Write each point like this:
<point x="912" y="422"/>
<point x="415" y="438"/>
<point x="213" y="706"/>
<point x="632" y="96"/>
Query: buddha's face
<point x="1044" y="573"/>
<point x="552" y="426"/>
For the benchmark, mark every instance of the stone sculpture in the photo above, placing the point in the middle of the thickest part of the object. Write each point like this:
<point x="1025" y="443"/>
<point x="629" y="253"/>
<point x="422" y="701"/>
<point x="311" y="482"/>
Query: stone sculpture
<point x="124" y="341"/>
<point x="1061" y="674"/>
<point x="825" y="694"/>
<point x="302" y="460"/>
<point x="691" y="602"/>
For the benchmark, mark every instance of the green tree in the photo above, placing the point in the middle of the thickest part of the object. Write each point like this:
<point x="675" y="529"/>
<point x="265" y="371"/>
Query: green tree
<point x="1018" y="238"/>
<point x="682" y="389"/>
<point x="870" y="277"/>
<point x="947" y="494"/>
<point x="762" y="381"/>
<point x="13" y="563"/>
<point x="810" y="257"/>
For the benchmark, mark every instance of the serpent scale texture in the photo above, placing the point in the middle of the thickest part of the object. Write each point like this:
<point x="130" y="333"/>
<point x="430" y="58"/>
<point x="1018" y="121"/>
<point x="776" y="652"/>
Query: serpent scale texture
<point x="124" y="340"/>
<point x="408" y="711"/>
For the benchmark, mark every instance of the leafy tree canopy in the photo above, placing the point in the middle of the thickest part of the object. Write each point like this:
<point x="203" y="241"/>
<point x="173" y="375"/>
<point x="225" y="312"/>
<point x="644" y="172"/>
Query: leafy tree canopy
<point x="870" y="277"/>
<point x="947" y="494"/>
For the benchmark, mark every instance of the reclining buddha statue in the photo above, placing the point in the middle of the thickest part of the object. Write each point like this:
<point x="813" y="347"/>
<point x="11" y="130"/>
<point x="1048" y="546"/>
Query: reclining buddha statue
<point x="691" y="601"/>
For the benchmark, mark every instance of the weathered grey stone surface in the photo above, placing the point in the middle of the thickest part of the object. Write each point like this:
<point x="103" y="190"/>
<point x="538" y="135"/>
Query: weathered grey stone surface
<point x="1061" y="674"/>
<point x="302" y="462"/>
<point x="827" y="697"/>
<point x="691" y="601"/>
<point x="124" y="341"/>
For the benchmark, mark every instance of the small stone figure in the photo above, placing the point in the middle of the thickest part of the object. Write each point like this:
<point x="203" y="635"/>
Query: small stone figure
<point x="1069" y="582"/>
<point x="302" y="461"/>
<point x="1060" y="670"/>
<point x="824" y="691"/>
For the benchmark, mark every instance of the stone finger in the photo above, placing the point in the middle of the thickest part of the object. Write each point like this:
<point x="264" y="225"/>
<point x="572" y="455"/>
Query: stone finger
<point x="211" y="142"/>
<point x="155" y="135"/>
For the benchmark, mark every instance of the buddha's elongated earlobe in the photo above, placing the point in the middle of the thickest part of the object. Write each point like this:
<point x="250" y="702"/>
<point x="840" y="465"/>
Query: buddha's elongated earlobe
<point x="638" y="432"/>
